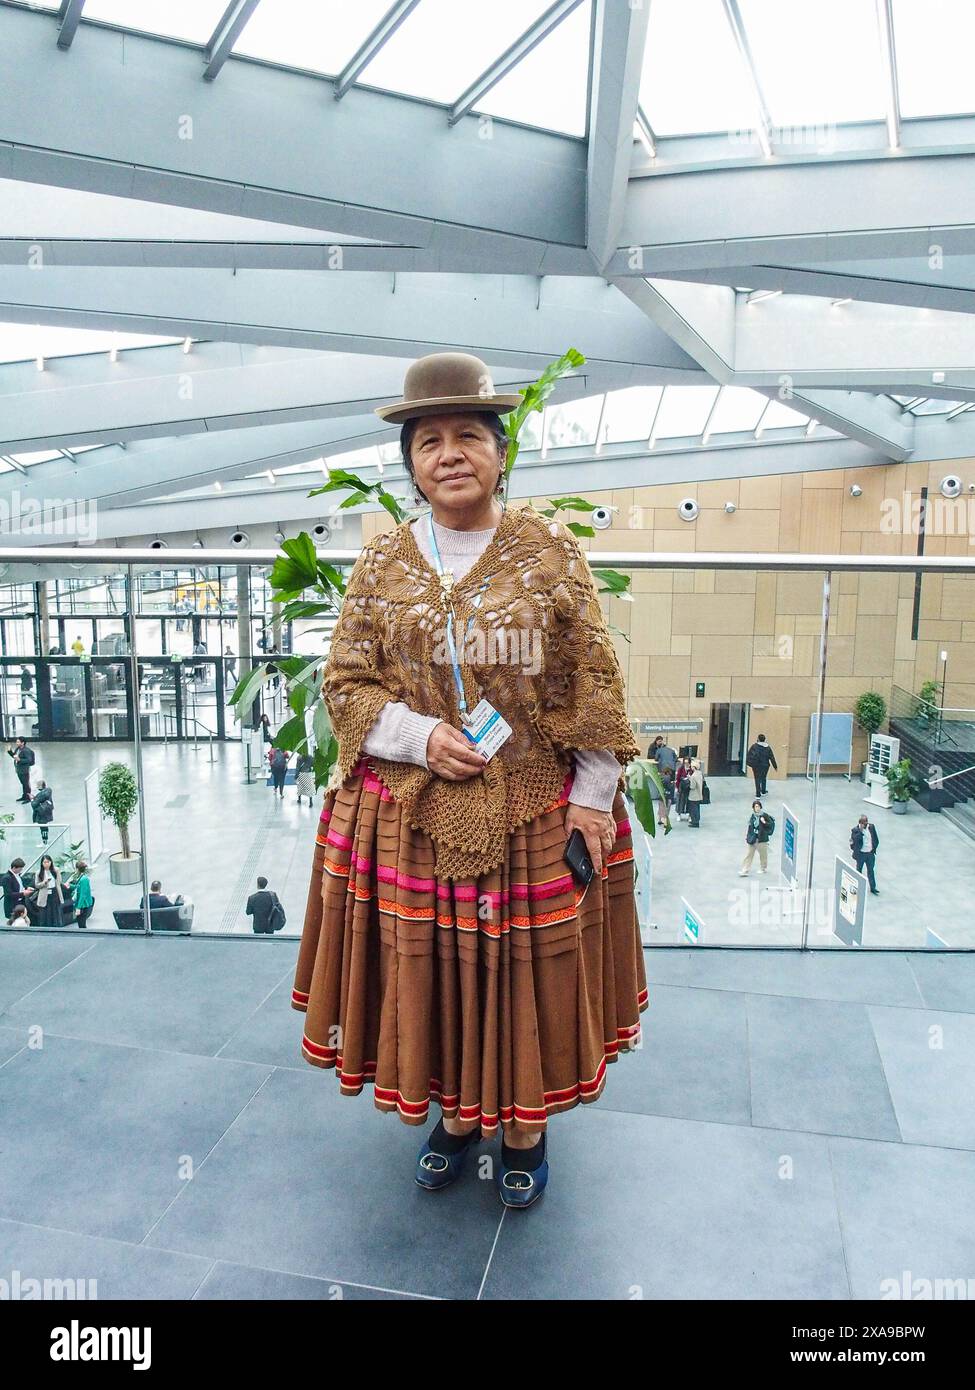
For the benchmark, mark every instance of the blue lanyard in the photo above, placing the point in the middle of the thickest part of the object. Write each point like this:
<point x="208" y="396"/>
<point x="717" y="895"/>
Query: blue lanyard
<point x="458" y="679"/>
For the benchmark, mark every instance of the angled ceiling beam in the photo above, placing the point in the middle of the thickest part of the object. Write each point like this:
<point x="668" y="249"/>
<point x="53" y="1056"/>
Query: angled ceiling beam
<point x="736" y="23"/>
<point x="161" y="391"/>
<point x="873" y="420"/>
<point x="511" y="57"/>
<point x="252" y="155"/>
<point x="69" y="17"/>
<point x="620" y="33"/>
<point x="114" y="477"/>
<point x="225" y="35"/>
<point x="909" y="282"/>
<point x="510" y="321"/>
<point x="371" y="45"/>
<point x="790" y="213"/>
<point x="699" y="318"/>
<point x="888" y="58"/>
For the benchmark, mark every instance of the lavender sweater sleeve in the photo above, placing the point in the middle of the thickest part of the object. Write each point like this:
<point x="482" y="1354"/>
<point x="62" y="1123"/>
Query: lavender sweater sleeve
<point x="400" y="734"/>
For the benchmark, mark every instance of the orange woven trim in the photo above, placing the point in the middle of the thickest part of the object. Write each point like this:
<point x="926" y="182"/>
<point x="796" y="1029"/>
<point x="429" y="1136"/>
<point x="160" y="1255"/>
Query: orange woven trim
<point x="416" y="1111"/>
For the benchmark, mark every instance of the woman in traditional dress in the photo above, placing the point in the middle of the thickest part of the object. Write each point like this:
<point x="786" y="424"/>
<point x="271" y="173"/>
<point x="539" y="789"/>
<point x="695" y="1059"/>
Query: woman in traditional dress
<point x="448" y="953"/>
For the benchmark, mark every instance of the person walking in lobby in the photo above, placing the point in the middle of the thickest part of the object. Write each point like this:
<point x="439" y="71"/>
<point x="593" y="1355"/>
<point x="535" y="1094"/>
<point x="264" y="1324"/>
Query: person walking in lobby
<point x="42" y="809"/>
<point x="681" y="783"/>
<point x="278" y="762"/>
<point x="305" y="778"/>
<point x="81" y="891"/>
<point x="864" y="842"/>
<point x="23" y="758"/>
<point x="265" y="908"/>
<point x="49" y="894"/>
<point x="445" y="938"/>
<point x="695" y="794"/>
<point x="760" y="758"/>
<point x="757" y="833"/>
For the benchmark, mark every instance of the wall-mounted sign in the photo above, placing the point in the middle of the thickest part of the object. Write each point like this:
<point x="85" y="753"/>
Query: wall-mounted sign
<point x="669" y="726"/>
<point x="699" y="690"/>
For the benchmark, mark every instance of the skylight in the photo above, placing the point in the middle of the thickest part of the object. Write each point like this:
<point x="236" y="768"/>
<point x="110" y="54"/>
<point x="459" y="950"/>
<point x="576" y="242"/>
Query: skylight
<point x="320" y="35"/>
<point x="193" y="20"/>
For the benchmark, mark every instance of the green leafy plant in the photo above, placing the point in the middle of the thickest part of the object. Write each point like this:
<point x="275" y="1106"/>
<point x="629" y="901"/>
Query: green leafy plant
<point x="641" y="774"/>
<point x="901" y="782"/>
<point x="870" y="711"/>
<point x="67" y="859"/>
<point x="308" y="587"/>
<point x="5" y="819"/>
<point x="929" y="701"/>
<point x="118" y="796"/>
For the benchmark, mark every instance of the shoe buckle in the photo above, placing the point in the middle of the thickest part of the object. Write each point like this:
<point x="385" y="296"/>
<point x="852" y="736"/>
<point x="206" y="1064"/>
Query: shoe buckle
<point x="439" y="1166"/>
<point x="525" y="1186"/>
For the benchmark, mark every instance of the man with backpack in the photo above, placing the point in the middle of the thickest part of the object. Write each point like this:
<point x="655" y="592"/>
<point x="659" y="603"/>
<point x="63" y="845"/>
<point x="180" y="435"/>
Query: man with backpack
<point x="265" y="908"/>
<point x="23" y="762"/>
<point x="278" y="761"/>
<point x="758" y="832"/>
<point x="760" y="758"/>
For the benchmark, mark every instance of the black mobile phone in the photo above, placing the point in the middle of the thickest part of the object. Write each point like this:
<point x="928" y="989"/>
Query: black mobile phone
<point x="577" y="857"/>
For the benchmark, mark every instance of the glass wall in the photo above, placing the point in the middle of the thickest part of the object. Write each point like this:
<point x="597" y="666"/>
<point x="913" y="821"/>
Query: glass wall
<point x="719" y="662"/>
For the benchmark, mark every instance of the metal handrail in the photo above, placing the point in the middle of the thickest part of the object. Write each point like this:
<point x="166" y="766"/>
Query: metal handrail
<point x="619" y="559"/>
<point x="188" y="719"/>
<point x="936" y="782"/>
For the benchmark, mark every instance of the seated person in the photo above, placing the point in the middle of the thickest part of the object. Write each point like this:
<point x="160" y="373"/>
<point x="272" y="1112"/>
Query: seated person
<point x="157" y="898"/>
<point x="17" y="887"/>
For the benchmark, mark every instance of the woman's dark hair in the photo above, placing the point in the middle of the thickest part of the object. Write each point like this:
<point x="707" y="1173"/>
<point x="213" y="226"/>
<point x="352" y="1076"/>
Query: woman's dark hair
<point x="488" y="417"/>
<point x="50" y="861"/>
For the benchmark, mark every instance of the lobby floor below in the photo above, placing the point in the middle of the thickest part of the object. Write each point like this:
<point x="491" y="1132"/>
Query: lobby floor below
<point x="788" y="1129"/>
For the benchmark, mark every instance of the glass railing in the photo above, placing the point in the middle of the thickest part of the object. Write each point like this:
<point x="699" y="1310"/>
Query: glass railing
<point x="716" y="650"/>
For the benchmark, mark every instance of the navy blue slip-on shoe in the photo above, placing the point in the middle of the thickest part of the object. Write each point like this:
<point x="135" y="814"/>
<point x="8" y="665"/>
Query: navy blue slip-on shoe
<point x="518" y="1187"/>
<point x="435" y="1170"/>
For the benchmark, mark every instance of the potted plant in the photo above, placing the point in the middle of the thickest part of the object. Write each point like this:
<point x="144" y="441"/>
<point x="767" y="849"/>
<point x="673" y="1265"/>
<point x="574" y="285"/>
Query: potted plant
<point x="902" y="785"/>
<point x="118" y="796"/>
<point x="870" y="711"/>
<point x="929" y="700"/>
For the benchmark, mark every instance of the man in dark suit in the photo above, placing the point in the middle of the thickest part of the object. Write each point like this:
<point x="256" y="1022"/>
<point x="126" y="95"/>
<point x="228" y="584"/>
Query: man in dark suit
<point x="864" y="842"/>
<point x="760" y="758"/>
<point x="23" y="762"/>
<point x="260" y="906"/>
<point x="157" y="898"/>
<point x="17" y="887"/>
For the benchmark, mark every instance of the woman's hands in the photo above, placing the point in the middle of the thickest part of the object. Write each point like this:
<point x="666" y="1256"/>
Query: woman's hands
<point x="451" y="755"/>
<point x="598" y="830"/>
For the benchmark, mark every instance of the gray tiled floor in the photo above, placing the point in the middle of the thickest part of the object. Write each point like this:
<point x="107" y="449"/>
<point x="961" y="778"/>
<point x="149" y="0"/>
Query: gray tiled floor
<point x="793" y="1126"/>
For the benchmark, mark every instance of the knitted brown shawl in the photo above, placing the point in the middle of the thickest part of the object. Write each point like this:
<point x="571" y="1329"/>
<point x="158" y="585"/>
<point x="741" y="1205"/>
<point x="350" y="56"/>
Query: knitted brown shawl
<point x="539" y="650"/>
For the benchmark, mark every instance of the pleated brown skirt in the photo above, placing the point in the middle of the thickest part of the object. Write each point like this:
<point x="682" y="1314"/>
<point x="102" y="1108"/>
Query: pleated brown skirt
<point x="501" y="998"/>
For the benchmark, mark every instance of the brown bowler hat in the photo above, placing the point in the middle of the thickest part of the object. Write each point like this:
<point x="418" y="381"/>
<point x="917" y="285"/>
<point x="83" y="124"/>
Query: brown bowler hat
<point x="446" y="382"/>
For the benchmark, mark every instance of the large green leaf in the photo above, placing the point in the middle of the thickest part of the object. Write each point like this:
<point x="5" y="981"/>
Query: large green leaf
<point x="247" y="690"/>
<point x="641" y="773"/>
<point x="291" y="734"/>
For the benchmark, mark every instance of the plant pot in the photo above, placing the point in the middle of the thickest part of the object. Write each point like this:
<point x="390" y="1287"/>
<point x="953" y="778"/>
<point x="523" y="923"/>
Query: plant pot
<point x="899" y="808"/>
<point x="125" y="872"/>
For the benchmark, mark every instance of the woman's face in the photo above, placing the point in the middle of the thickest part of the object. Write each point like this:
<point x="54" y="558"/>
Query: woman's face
<point x="47" y="864"/>
<point x="455" y="460"/>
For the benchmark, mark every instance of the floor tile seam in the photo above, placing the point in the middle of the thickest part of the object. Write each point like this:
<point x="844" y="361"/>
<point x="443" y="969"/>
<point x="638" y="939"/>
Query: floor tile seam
<point x="202" y="1164"/>
<point x="785" y="1129"/>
